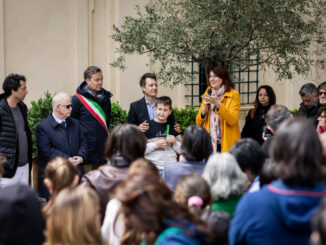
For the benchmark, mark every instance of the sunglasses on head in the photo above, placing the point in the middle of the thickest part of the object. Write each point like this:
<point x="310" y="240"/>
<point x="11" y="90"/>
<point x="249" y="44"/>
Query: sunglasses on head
<point x="68" y="106"/>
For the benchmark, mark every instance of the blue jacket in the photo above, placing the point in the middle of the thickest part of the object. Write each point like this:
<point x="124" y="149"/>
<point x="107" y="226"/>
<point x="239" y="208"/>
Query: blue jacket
<point x="173" y="171"/>
<point x="277" y="214"/>
<point x="53" y="140"/>
<point x="95" y="133"/>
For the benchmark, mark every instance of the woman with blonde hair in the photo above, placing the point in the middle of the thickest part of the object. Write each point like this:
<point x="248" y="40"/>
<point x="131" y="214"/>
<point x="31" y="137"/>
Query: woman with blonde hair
<point x="226" y="180"/>
<point x="75" y="218"/>
<point x="60" y="173"/>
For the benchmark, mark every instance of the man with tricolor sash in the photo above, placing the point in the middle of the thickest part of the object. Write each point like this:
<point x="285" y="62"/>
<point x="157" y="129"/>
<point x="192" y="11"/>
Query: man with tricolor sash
<point x="91" y="105"/>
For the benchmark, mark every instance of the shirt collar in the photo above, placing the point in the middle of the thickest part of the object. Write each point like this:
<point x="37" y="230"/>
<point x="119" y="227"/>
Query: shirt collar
<point x="147" y="103"/>
<point x="59" y="121"/>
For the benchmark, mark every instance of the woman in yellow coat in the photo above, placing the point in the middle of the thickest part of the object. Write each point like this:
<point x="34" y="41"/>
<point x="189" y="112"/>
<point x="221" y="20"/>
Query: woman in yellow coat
<point x="219" y="110"/>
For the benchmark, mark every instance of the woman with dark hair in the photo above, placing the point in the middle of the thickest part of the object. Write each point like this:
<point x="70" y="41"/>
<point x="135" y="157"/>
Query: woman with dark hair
<point x="255" y="120"/>
<point x="219" y="110"/>
<point x="280" y="212"/>
<point x="113" y="225"/>
<point x="152" y="216"/>
<point x="125" y="144"/>
<point x="196" y="147"/>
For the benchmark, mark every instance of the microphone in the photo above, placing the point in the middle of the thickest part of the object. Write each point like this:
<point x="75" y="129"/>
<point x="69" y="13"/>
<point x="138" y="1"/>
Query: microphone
<point x="209" y="92"/>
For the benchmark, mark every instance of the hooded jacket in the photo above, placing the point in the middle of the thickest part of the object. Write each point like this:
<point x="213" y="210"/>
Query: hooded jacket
<point x="8" y="137"/>
<point x="277" y="214"/>
<point x="94" y="132"/>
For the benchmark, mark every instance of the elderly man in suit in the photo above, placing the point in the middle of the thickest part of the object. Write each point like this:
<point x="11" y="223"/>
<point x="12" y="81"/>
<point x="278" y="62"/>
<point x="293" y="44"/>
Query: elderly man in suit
<point x="60" y="135"/>
<point x="143" y="110"/>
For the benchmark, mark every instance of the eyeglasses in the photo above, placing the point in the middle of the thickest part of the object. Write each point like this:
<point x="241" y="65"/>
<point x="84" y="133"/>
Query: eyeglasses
<point x="68" y="106"/>
<point x="322" y="93"/>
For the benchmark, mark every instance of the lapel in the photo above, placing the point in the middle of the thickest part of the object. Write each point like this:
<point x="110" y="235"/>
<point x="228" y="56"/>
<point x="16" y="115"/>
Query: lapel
<point x="143" y="108"/>
<point x="52" y="121"/>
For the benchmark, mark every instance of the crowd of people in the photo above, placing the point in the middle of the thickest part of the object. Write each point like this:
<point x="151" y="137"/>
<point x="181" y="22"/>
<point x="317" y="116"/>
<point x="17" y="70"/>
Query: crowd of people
<point x="146" y="182"/>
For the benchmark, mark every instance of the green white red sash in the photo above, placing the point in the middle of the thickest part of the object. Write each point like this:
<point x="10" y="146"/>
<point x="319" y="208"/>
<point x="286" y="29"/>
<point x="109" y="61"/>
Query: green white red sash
<point x="95" y="109"/>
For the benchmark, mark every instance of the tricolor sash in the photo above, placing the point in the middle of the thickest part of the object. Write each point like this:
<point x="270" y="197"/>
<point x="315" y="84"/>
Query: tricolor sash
<point x="95" y="110"/>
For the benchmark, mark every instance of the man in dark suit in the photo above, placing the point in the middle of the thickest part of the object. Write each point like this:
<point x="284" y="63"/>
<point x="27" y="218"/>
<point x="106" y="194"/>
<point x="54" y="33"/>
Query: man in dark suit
<point x="60" y="135"/>
<point x="143" y="110"/>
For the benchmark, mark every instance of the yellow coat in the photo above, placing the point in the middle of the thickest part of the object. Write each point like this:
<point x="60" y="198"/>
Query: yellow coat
<point x="229" y="118"/>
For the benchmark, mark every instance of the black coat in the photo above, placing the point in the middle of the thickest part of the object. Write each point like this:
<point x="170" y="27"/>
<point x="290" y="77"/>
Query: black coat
<point x="94" y="132"/>
<point x="253" y="127"/>
<point x="54" y="140"/>
<point x="8" y="137"/>
<point x="138" y="113"/>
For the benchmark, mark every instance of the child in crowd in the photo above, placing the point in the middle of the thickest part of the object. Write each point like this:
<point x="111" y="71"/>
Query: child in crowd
<point x="75" y="218"/>
<point x="163" y="143"/>
<point x="151" y="216"/>
<point x="60" y="173"/>
<point x="113" y="226"/>
<point x="192" y="191"/>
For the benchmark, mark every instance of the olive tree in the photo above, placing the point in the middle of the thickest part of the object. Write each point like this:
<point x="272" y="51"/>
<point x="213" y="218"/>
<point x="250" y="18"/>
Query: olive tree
<point x="286" y="35"/>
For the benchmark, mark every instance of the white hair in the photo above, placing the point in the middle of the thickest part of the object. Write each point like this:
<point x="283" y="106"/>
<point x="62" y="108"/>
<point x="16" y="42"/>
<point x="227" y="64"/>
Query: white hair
<point x="59" y="98"/>
<point x="224" y="176"/>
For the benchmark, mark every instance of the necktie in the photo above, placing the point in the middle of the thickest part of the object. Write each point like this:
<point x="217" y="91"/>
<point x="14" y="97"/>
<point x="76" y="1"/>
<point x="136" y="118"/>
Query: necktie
<point x="63" y="124"/>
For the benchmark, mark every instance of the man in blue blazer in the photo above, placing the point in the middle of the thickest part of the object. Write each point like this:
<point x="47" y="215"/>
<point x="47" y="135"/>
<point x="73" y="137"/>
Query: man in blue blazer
<point x="143" y="110"/>
<point x="60" y="135"/>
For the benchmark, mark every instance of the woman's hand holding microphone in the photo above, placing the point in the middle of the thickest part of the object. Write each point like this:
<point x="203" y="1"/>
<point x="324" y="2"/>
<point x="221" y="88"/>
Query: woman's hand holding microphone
<point x="210" y="99"/>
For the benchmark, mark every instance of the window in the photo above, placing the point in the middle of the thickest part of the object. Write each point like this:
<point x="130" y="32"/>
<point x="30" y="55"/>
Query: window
<point x="245" y="81"/>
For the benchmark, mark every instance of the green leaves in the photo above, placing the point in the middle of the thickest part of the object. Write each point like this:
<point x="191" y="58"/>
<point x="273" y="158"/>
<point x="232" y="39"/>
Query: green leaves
<point x="118" y="115"/>
<point x="284" y="32"/>
<point x="40" y="110"/>
<point x="185" y="117"/>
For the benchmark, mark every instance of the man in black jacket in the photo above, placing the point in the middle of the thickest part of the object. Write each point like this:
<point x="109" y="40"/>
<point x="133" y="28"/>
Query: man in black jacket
<point x="309" y="105"/>
<point x="143" y="110"/>
<point x="91" y="105"/>
<point x="15" y="136"/>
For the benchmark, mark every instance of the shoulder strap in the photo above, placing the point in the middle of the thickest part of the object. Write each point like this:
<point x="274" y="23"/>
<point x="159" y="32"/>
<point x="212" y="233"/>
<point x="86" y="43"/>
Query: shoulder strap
<point x="95" y="110"/>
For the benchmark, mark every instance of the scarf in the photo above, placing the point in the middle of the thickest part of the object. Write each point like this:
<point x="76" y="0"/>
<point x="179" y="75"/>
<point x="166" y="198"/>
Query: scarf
<point x="214" y="125"/>
<point x="99" y="97"/>
<point x="320" y="130"/>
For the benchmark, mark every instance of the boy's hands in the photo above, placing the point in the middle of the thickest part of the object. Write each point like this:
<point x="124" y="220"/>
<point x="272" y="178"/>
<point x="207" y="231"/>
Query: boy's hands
<point x="161" y="143"/>
<point x="171" y="139"/>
